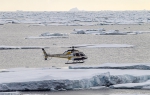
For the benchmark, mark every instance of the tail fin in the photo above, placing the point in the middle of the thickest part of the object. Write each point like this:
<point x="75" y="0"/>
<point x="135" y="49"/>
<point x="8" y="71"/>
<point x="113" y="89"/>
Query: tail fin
<point x="45" y="54"/>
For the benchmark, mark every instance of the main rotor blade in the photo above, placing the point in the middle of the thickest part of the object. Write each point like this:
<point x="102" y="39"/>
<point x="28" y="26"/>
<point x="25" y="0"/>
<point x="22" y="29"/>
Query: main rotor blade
<point x="101" y="46"/>
<point x="69" y="47"/>
<point x="78" y="46"/>
<point x="33" y="47"/>
<point x="21" y="47"/>
<point x="111" y="46"/>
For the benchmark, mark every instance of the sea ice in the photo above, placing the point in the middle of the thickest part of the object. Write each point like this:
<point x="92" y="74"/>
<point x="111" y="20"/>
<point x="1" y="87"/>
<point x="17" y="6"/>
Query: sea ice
<point x="23" y="79"/>
<point x="88" y="31"/>
<point x="103" y="32"/>
<point x="143" y="66"/>
<point x="76" y="18"/>
<point x="50" y="35"/>
<point x="10" y="93"/>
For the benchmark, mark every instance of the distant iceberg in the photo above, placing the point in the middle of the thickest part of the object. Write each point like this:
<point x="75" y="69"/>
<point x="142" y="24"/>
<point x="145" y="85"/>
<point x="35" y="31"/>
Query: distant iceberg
<point x="51" y="79"/>
<point x="74" y="9"/>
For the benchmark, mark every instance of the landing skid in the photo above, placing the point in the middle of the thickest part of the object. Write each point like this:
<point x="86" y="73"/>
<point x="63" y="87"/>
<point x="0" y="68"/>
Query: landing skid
<point x="74" y="63"/>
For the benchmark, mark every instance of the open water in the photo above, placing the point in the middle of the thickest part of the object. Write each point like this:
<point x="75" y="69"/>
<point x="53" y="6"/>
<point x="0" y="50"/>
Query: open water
<point x="14" y="34"/>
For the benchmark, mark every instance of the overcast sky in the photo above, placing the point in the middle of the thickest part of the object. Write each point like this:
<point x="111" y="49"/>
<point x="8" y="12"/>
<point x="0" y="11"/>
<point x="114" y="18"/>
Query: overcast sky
<point x="66" y="5"/>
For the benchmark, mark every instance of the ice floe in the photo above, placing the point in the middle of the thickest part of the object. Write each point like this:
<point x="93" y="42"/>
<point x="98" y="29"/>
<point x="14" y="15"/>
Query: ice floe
<point x="25" y="79"/>
<point x="76" y="18"/>
<point x="88" y="31"/>
<point x="104" y="32"/>
<point x="54" y="34"/>
<point x="143" y="66"/>
<point x="10" y="93"/>
<point x="48" y="35"/>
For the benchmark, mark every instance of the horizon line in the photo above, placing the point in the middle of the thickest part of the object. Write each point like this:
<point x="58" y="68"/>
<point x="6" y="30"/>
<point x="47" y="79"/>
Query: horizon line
<point x="70" y="11"/>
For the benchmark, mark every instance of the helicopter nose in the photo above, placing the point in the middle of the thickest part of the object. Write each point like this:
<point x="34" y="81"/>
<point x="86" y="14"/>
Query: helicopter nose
<point x="85" y="57"/>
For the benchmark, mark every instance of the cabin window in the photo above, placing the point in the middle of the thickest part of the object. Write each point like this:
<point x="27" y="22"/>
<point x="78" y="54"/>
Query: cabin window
<point x="76" y="54"/>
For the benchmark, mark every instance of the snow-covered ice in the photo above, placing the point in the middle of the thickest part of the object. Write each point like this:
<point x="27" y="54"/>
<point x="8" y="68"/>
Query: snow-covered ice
<point x="76" y="18"/>
<point x="88" y="31"/>
<point x="48" y="35"/>
<point x="143" y="66"/>
<point x="10" y="93"/>
<point x="22" y="79"/>
<point x="104" y="32"/>
<point x="54" y="34"/>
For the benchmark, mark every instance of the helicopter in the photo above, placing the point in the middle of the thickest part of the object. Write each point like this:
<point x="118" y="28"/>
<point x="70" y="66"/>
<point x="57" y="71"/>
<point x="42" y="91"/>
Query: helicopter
<point x="72" y="54"/>
<point x="77" y="56"/>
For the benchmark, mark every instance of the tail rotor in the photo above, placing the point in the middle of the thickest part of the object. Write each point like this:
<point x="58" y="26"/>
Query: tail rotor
<point x="45" y="54"/>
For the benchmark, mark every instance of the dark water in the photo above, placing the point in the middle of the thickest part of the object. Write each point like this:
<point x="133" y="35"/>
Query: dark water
<point x="93" y="92"/>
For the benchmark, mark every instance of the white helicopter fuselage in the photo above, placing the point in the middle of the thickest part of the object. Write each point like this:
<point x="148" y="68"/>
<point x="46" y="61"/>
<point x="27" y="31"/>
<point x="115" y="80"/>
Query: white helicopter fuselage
<point x="73" y="55"/>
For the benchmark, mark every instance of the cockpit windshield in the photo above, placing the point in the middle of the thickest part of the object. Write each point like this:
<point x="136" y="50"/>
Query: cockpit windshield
<point x="79" y="54"/>
<point x="82" y="54"/>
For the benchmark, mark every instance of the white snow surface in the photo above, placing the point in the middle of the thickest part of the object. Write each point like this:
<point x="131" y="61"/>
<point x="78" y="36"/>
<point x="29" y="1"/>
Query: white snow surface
<point x="22" y="79"/>
<point x="50" y="37"/>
